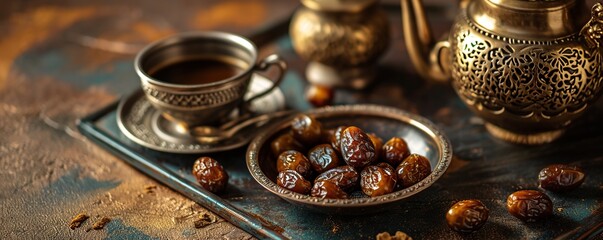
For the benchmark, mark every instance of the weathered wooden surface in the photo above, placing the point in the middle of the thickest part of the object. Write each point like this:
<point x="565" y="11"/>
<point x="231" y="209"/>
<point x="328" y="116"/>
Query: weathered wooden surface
<point x="61" y="60"/>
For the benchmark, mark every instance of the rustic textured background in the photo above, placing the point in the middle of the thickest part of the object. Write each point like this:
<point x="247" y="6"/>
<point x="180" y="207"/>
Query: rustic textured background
<point x="60" y="60"/>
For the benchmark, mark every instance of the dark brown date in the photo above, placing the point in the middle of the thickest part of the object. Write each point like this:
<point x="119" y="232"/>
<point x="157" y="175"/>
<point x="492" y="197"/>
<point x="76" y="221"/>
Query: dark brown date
<point x="285" y="142"/>
<point x="306" y="129"/>
<point x="328" y="189"/>
<point x="467" y="216"/>
<point x="386" y="165"/>
<point x="336" y="138"/>
<point x="323" y="157"/>
<point x="377" y="180"/>
<point x="412" y="170"/>
<point x="327" y="136"/>
<point x="395" y="151"/>
<point x="294" y="160"/>
<point x="357" y="148"/>
<point x="345" y="177"/>
<point x="377" y="143"/>
<point x="560" y="177"/>
<point x="319" y="96"/>
<point x="529" y="205"/>
<point x="293" y="181"/>
<point x="210" y="174"/>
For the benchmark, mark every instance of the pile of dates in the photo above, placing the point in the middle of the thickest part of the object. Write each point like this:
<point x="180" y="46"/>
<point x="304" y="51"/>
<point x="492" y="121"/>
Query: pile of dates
<point x="339" y="161"/>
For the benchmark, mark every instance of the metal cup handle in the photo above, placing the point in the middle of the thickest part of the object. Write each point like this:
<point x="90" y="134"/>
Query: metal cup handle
<point x="265" y="64"/>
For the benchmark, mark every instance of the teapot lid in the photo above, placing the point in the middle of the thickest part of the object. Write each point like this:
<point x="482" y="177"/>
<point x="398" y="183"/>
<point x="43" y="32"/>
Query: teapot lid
<point x="529" y="19"/>
<point x="338" y="5"/>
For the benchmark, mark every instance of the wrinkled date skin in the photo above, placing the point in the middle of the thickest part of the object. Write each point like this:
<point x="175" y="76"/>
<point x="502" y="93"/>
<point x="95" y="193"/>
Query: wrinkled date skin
<point x="560" y="177"/>
<point x="357" y="148"/>
<point x="210" y="174"/>
<point x="285" y="142"/>
<point x="293" y="181"/>
<point x="294" y="160"/>
<point x="336" y="139"/>
<point x="328" y="189"/>
<point x="395" y="151"/>
<point x="386" y="165"/>
<point x="323" y="157"/>
<point x="377" y="143"/>
<point x="306" y="129"/>
<point x="529" y="205"/>
<point x="377" y="180"/>
<point x="412" y="170"/>
<point x="467" y="216"/>
<point x="345" y="177"/>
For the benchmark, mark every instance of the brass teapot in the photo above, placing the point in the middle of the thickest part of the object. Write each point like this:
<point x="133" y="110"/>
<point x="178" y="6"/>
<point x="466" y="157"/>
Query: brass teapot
<point x="527" y="67"/>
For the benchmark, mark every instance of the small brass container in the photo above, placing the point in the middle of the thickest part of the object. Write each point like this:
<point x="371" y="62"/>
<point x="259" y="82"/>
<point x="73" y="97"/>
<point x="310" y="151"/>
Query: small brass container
<point x="341" y="40"/>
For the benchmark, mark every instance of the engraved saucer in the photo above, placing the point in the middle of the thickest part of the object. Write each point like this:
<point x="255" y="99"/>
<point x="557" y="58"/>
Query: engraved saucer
<point x="143" y="124"/>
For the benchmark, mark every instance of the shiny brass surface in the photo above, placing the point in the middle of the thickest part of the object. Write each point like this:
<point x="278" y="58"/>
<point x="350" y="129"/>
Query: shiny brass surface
<point x="529" y="68"/>
<point x="533" y="20"/>
<point x="340" y="38"/>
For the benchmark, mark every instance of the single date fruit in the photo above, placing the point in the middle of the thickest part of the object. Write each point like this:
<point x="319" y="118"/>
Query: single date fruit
<point x="467" y="216"/>
<point x="357" y="148"/>
<point x="306" y="129"/>
<point x="210" y="174"/>
<point x="294" y="160"/>
<point x="319" y="96"/>
<point x="394" y="151"/>
<point x="323" y="157"/>
<point x="377" y="180"/>
<point x="345" y="177"/>
<point x="560" y="177"/>
<point x="529" y="205"/>
<point x="386" y="165"/>
<point x="336" y="138"/>
<point x="293" y="181"/>
<point x="285" y="142"/>
<point x="412" y="170"/>
<point x="327" y="189"/>
<point x="377" y="142"/>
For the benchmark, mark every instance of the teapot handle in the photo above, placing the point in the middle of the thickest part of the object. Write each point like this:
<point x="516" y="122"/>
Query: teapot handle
<point x="439" y="59"/>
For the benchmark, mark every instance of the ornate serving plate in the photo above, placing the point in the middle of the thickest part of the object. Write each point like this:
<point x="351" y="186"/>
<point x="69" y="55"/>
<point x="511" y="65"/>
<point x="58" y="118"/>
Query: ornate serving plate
<point x="423" y="137"/>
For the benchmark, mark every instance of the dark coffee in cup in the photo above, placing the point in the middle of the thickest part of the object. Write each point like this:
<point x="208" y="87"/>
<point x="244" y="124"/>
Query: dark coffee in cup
<point x="197" y="71"/>
<point x="199" y="78"/>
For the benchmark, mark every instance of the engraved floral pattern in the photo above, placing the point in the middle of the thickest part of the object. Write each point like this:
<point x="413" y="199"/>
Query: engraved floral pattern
<point x="340" y="39"/>
<point x="524" y="79"/>
<point x="204" y="99"/>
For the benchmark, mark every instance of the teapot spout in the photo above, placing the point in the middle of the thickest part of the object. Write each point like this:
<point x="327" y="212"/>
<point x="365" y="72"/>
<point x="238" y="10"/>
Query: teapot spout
<point x="424" y="53"/>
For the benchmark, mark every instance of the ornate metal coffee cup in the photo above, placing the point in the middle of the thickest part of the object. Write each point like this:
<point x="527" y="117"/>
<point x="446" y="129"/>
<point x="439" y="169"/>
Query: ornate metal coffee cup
<point x="206" y="102"/>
